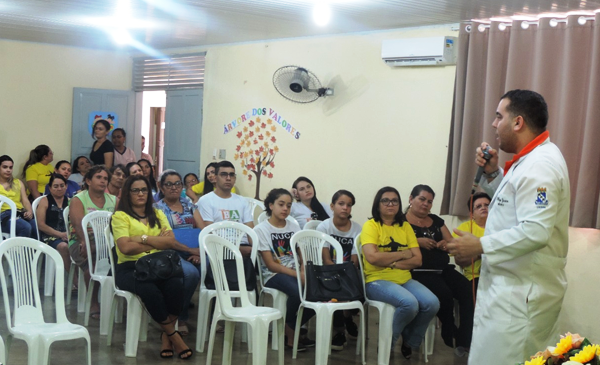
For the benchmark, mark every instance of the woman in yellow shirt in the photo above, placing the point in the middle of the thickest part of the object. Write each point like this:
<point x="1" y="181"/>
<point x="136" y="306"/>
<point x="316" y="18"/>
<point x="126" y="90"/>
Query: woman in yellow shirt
<point x="37" y="170"/>
<point x="14" y="190"/>
<point x="139" y="230"/>
<point x="390" y="251"/>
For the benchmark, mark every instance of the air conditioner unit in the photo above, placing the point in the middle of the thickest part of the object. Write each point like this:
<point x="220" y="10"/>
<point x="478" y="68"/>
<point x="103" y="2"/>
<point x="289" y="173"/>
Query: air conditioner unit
<point x="432" y="51"/>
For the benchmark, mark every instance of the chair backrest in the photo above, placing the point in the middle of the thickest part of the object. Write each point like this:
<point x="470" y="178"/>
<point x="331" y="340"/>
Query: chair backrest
<point x="111" y="244"/>
<point x="34" y="207"/>
<point x="312" y="224"/>
<point x="98" y="221"/>
<point x="253" y="205"/>
<point x="263" y="217"/>
<point x="311" y="243"/>
<point x="359" y="256"/>
<point x="13" y="217"/>
<point x="232" y="232"/>
<point x="217" y="249"/>
<point x="22" y="255"/>
<point x="66" y="218"/>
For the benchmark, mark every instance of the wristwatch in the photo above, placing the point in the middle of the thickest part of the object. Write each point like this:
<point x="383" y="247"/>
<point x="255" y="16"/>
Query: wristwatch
<point x="144" y="239"/>
<point x="492" y="175"/>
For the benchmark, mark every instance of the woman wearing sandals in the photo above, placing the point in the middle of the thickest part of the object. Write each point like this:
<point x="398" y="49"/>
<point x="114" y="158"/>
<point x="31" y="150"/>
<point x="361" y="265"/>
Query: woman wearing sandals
<point x="139" y="230"/>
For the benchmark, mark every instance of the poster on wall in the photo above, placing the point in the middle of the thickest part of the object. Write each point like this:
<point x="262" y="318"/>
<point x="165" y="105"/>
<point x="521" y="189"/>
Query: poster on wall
<point x="111" y="117"/>
<point x="256" y="144"/>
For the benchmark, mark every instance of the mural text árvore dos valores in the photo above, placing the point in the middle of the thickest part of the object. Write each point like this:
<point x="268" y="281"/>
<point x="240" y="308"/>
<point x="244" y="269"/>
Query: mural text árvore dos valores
<point x="259" y="112"/>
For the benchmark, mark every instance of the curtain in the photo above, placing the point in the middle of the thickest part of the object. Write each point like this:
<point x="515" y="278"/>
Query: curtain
<point x="560" y="62"/>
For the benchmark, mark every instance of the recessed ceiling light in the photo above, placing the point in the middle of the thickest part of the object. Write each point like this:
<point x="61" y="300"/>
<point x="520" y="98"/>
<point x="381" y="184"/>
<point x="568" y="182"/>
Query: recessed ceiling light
<point x="321" y="14"/>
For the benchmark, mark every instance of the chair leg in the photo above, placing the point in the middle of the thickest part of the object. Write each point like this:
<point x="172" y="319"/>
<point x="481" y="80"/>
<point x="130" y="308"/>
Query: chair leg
<point x="211" y="340"/>
<point x="144" y="325"/>
<point x="81" y="292"/>
<point x="228" y="342"/>
<point x="132" y="331"/>
<point x="49" y="278"/>
<point x="362" y="337"/>
<point x="70" y="283"/>
<point x="323" y="336"/>
<point x="297" y="331"/>
<point x="261" y="341"/>
<point x="385" y="337"/>
<point x="88" y="303"/>
<point x="280" y="339"/>
<point x="203" y="313"/>
<point x="107" y="296"/>
<point x="111" y="322"/>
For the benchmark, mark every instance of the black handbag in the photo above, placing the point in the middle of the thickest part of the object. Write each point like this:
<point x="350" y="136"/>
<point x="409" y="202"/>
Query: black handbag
<point x="327" y="282"/>
<point x="160" y="265"/>
<point x="231" y="273"/>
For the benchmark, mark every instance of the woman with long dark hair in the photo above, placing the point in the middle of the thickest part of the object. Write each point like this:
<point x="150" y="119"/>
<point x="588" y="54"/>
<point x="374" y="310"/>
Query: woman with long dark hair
<point x="103" y="151"/>
<point x="390" y="251"/>
<point x="63" y="168"/>
<point x="307" y="207"/>
<point x="12" y="189"/>
<point x="139" y="229"/>
<point x="148" y="172"/>
<point x="51" y="222"/>
<point x="37" y="170"/>
<point x="207" y="185"/>
<point x="81" y="165"/>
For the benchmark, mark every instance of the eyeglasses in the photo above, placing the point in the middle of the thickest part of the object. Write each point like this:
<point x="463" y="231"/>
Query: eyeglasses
<point x="481" y="206"/>
<point x="139" y="190"/>
<point x="171" y="185"/>
<point x="192" y="181"/>
<point x="388" y="202"/>
<point x="225" y="174"/>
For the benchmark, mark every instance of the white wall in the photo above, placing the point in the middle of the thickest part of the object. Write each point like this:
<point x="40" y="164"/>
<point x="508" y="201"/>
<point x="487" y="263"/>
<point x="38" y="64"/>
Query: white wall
<point x="36" y="97"/>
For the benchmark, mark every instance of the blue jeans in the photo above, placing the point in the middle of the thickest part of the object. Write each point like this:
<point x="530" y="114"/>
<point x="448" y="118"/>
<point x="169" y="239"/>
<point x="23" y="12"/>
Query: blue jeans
<point x="191" y="278"/>
<point x="289" y="285"/>
<point x="415" y="308"/>
<point x="24" y="228"/>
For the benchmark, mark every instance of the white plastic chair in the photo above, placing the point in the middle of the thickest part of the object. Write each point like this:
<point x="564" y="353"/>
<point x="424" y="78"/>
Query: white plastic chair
<point x="81" y="288"/>
<point x="13" y="218"/>
<point x="312" y="224"/>
<point x="49" y="272"/>
<point x="386" y="314"/>
<point x="99" y="220"/>
<point x="232" y="232"/>
<point x="2" y="352"/>
<point x="25" y="320"/>
<point x="137" y="318"/>
<point x="253" y="205"/>
<point x="258" y="318"/>
<point x="263" y="217"/>
<point x="311" y="243"/>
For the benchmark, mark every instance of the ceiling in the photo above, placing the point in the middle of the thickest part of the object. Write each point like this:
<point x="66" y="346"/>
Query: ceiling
<point x="184" y="23"/>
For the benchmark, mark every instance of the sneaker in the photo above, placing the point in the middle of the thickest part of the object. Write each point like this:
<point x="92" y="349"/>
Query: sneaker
<point x="307" y="342"/>
<point x="301" y="347"/>
<point x="338" y="342"/>
<point x="351" y="327"/>
<point x="406" y="351"/>
<point x="461" y="351"/>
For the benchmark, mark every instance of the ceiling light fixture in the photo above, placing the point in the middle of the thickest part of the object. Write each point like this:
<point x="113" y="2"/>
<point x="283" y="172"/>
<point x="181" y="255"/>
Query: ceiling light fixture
<point x="321" y="14"/>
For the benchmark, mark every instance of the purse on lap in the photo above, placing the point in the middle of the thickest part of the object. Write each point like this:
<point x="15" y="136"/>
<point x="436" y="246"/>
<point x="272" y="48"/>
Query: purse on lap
<point x="159" y="265"/>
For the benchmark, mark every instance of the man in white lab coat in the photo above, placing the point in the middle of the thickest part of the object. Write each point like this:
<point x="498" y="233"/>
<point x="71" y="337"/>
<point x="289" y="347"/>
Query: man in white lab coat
<point x="524" y="248"/>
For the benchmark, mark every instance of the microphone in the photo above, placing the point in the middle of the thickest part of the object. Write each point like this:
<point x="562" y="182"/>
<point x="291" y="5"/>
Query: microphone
<point x="486" y="157"/>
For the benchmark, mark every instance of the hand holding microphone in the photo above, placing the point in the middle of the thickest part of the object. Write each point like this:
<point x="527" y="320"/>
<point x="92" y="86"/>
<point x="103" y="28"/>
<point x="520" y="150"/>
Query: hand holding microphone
<point x="490" y="164"/>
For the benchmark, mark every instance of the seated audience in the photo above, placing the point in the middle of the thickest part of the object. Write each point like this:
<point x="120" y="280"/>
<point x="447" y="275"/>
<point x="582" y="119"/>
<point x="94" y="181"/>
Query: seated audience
<point x="344" y="231"/>
<point x="181" y="214"/>
<point x="436" y="273"/>
<point x="478" y="207"/>
<point x="138" y="230"/>
<point x="122" y="154"/>
<point x="277" y="260"/>
<point x="206" y="186"/>
<point x="50" y="219"/>
<point x="390" y="251"/>
<point x="189" y="180"/>
<point x="146" y="156"/>
<point x="14" y="190"/>
<point x="63" y="168"/>
<point x="37" y="170"/>
<point x="223" y="205"/>
<point x="92" y="199"/>
<point x="81" y="166"/>
<point x="118" y="174"/>
<point x="307" y="207"/>
<point x="102" y="149"/>
<point x="148" y="172"/>
<point x="134" y="168"/>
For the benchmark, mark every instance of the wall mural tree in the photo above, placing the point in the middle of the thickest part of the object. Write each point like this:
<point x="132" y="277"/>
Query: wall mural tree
<point x="256" y="150"/>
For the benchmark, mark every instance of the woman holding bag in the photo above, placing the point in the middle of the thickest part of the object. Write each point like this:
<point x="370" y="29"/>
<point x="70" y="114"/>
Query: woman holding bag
<point x="140" y="230"/>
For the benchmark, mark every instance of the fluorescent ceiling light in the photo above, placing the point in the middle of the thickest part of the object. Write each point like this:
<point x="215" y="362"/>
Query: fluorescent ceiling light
<point x="321" y="14"/>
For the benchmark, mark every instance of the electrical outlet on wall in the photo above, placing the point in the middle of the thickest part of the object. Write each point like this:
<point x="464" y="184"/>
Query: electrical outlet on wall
<point x="222" y="154"/>
<point x="214" y="157"/>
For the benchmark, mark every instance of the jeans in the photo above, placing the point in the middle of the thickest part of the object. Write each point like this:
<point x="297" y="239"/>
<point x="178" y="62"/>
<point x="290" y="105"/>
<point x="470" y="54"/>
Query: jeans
<point x="289" y="285"/>
<point x="415" y="307"/>
<point x="24" y="228"/>
<point x="191" y="278"/>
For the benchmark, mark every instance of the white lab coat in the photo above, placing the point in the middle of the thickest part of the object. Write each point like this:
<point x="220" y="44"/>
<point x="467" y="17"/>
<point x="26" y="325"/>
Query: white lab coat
<point x="523" y="281"/>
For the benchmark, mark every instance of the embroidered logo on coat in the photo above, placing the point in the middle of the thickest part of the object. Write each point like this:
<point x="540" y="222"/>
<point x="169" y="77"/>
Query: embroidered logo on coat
<point x="542" y="200"/>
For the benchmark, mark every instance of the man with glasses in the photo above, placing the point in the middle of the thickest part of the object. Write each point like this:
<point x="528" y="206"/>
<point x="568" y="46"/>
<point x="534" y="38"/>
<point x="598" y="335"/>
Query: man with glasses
<point x="223" y="205"/>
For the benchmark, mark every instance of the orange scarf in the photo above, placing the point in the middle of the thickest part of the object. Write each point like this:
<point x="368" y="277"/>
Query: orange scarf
<point x="528" y="148"/>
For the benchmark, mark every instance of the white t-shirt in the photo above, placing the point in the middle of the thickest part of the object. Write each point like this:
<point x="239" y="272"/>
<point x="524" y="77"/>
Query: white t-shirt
<point x="346" y="239"/>
<point x="303" y="214"/>
<point x="77" y="177"/>
<point x="277" y="241"/>
<point x="233" y="209"/>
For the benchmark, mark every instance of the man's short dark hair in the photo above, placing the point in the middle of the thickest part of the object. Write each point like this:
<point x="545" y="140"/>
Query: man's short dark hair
<point x="224" y="163"/>
<point x="529" y="105"/>
<point x="471" y="202"/>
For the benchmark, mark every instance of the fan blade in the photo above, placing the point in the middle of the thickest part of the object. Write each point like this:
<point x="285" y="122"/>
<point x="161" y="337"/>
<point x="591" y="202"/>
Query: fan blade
<point x="344" y="92"/>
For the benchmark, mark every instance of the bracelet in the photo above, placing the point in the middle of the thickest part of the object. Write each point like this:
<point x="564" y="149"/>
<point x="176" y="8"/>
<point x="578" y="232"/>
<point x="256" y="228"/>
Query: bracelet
<point x="393" y="264"/>
<point x="144" y="239"/>
<point x="492" y="175"/>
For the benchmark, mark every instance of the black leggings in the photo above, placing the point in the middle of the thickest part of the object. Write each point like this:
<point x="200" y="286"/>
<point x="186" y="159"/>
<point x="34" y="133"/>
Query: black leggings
<point x="161" y="298"/>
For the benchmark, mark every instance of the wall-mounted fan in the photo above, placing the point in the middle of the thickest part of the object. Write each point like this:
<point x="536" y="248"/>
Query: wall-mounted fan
<point x="299" y="85"/>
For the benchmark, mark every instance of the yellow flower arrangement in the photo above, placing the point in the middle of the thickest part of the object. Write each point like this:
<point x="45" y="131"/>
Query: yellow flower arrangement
<point x="563" y="346"/>
<point x="536" y="361"/>
<point x="587" y="354"/>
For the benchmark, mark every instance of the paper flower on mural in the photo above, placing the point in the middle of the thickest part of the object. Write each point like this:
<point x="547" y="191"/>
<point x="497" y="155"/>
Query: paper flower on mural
<point x="256" y="151"/>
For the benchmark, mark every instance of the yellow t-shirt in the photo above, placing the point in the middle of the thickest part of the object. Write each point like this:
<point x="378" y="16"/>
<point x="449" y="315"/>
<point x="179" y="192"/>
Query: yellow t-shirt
<point x="40" y="173"/>
<point x="123" y="225"/>
<point x="478" y="232"/>
<point x="13" y="194"/>
<point x="199" y="189"/>
<point x="388" y="239"/>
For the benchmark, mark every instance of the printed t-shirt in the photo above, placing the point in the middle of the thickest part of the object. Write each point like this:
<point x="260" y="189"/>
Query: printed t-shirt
<point x="303" y="214"/>
<point x="199" y="188"/>
<point x="388" y="239"/>
<point x="277" y="241"/>
<point x="233" y="209"/>
<point x="178" y="220"/>
<point x="123" y="225"/>
<point x="88" y="207"/>
<point x="477" y="232"/>
<point x="346" y="239"/>
<point x="97" y="157"/>
<point x="124" y="158"/>
<point x="41" y="174"/>
<point x="13" y="194"/>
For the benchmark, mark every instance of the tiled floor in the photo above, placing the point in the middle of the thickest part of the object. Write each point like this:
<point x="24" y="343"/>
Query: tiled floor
<point x="72" y="352"/>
